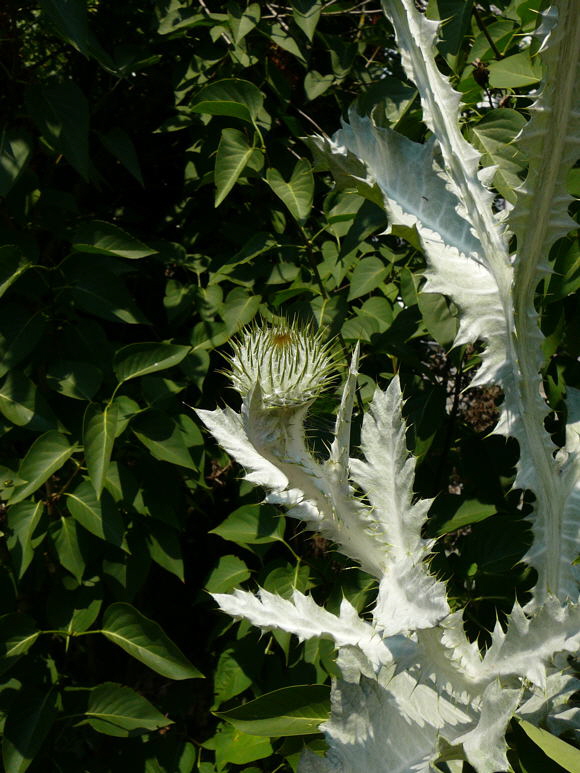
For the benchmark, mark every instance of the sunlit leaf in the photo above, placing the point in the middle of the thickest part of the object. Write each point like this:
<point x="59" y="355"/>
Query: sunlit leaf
<point x="288" y="711"/>
<point x="555" y="748"/>
<point x="113" y="709"/>
<point x="146" y="641"/>
<point x="25" y="535"/>
<point x="99" y="517"/>
<point x="367" y="275"/>
<point x="140" y="359"/>
<point x="229" y="573"/>
<point x="164" y="438"/>
<point x="99" y="432"/>
<point x="232" y="96"/>
<point x="108" y="239"/>
<point x="18" y="633"/>
<point x="234" y="153"/>
<point x="45" y="456"/>
<point x="252" y="525"/>
<point x="297" y="193"/>
<point x="514" y="71"/>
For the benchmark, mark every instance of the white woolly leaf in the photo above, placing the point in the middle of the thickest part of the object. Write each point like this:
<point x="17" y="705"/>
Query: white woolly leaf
<point x="304" y="618"/>
<point x="485" y="746"/>
<point x="409" y="597"/>
<point x="538" y="219"/>
<point x="530" y="643"/>
<point x="227" y="428"/>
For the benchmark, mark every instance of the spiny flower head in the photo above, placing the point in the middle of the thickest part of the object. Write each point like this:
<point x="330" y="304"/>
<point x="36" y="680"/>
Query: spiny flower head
<point x="290" y="363"/>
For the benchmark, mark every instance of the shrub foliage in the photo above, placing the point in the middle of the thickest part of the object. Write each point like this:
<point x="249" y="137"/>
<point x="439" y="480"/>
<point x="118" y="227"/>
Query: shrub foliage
<point x="158" y="195"/>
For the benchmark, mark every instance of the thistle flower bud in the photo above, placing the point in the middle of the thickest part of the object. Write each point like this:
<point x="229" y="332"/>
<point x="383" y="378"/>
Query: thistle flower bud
<point x="290" y="364"/>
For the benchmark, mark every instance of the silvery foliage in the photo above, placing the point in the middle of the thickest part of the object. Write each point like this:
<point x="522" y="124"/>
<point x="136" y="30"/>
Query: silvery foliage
<point x="411" y="682"/>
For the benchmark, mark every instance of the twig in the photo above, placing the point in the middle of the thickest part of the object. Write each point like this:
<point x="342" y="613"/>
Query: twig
<point x="283" y="24"/>
<point x="312" y="121"/>
<point x="481" y="24"/>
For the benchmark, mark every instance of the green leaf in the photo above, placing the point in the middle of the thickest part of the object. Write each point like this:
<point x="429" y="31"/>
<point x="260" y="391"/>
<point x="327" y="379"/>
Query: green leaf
<point x="362" y="327"/>
<point x="229" y="573"/>
<point x="18" y="633"/>
<point x="208" y="335"/>
<point x="126" y="572"/>
<point x="20" y="331"/>
<point x="99" y="517"/>
<point x="232" y="745"/>
<point x="99" y="432"/>
<point x="100" y="292"/>
<point x="240" y="307"/>
<point x="8" y="482"/>
<point x="22" y="404"/>
<point x="316" y="84"/>
<point x="116" y="710"/>
<point x="297" y="193"/>
<point x="70" y="19"/>
<point x="146" y="641"/>
<point x="456" y="18"/>
<point x="160" y="391"/>
<point x="289" y="42"/>
<point x="23" y="521"/>
<point x="289" y="711"/>
<point x="27" y="725"/>
<point x="565" y="278"/>
<point x="451" y="512"/>
<point x="140" y="359"/>
<point x="231" y="96"/>
<point x="367" y="276"/>
<point x="306" y="14"/>
<point x="79" y="380"/>
<point x="107" y="239"/>
<point x="165" y="548"/>
<point x="64" y="535"/>
<point x="283" y="579"/>
<point x="74" y="608"/>
<point x="259" y="243"/>
<point x="553" y="747"/>
<point x="126" y="408"/>
<point x="233" y="154"/>
<point x="229" y="677"/>
<point x="177" y="18"/>
<point x="515" y="71"/>
<point x="164" y="438"/>
<point x="61" y="113"/>
<point x="342" y="54"/>
<point x="252" y="525"/>
<point x="45" y="456"/>
<point x="15" y="149"/>
<point x="438" y="318"/>
<point x="120" y="145"/>
<point x="12" y="265"/>
<point x="388" y="95"/>
<point x="501" y="32"/>
<point x="378" y="309"/>
<point x="494" y="136"/>
<point x="243" y="21"/>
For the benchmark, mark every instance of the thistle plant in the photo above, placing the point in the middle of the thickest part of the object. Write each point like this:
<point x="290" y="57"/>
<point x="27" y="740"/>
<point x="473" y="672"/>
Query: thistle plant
<point x="412" y="684"/>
